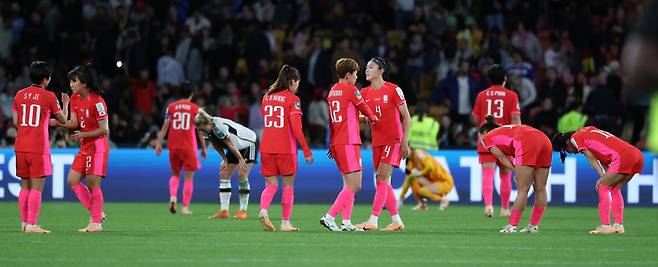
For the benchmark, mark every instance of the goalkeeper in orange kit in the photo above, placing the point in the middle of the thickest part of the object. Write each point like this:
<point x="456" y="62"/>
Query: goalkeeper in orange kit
<point x="427" y="179"/>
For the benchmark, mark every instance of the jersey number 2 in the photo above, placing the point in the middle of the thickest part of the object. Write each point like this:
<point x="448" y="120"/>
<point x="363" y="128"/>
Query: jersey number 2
<point x="496" y="104"/>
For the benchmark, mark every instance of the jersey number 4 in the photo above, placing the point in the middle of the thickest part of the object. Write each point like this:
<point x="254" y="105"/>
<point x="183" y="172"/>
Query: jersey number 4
<point x="273" y="116"/>
<point x="496" y="104"/>
<point x="33" y="117"/>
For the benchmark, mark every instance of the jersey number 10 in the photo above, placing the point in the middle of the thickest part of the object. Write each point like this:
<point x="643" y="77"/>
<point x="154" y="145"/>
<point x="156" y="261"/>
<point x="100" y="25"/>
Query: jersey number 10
<point x="496" y="104"/>
<point x="33" y="118"/>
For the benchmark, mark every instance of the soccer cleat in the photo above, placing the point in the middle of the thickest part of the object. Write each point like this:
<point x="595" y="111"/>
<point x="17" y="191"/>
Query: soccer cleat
<point x="367" y="226"/>
<point x="508" y="229"/>
<point x="444" y="204"/>
<point x="222" y="214"/>
<point x="420" y="207"/>
<point x="393" y="227"/>
<point x="267" y="224"/>
<point x="505" y="213"/>
<point x="530" y="229"/>
<point x="35" y="229"/>
<point x="23" y="225"/>
<point x="172" y="205"/>
<point x="92" y="228"/>
<point x="488" y="211"/>
<point x="186" y="211"/>
<point x="241" y="214"/>
<point x="288" y="228"/>
<point x="618" y="228"/>
<point x="602" y="230"/>
<point x="103" y="218"/>
<point x="350" y="228"/>
<point x="329" y="224"/>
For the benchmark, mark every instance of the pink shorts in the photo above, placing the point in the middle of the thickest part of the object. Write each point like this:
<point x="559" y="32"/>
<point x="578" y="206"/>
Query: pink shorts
<point x="347" y="157"/>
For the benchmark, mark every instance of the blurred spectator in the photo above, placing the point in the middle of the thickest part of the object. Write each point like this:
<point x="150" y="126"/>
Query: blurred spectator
<point x="318" y="118"/>
<point x="572" y="120"/>
<point x="519" y="67"/>
<point x="527" y="42"/>
<point x="143" y="92"/>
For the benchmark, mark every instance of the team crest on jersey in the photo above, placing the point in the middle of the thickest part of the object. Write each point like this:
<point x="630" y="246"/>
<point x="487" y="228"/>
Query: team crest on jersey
<point x="385" y="99"/>
<point x="87" y="113"/>
<point x="100" y="109"/>
<point x="298" y="105"/>
<point x="400" y="93"/>
<point x="357" y="93"/>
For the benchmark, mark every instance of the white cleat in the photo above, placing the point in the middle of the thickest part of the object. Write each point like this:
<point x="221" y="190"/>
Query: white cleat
<point x="330" y="224"/>
<point x="508" y="229"/>
<point x="618" y="228"/>
<point x="530" y="229"/>
<point x="350" y="228"/>
<point x="488" y="211"/>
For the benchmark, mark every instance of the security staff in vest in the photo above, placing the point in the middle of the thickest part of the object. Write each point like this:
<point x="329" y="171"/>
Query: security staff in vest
<point x="424" y="129"/>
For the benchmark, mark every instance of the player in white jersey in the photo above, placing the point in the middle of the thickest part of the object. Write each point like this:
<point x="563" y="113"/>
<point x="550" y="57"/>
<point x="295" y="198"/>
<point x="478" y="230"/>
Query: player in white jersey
<point x="240" y="141"/>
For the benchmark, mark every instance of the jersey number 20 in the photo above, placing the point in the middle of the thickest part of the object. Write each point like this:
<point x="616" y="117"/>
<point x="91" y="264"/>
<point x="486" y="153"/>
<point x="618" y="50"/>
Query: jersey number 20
<point x="181" y="121"/>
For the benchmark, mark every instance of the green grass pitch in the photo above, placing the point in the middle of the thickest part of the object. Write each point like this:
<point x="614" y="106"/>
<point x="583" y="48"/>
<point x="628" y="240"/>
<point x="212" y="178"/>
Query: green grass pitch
<point x="139" y="234"/>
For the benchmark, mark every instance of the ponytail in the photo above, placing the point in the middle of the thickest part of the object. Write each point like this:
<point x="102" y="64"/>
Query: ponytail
<point x="559" y="142"/>
<point x="287" y="74"/>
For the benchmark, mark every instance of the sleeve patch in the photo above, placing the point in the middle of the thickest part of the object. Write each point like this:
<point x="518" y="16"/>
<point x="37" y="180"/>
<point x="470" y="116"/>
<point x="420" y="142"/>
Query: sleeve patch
<point x="101" y="109"/>
<point x="400" y="93"/>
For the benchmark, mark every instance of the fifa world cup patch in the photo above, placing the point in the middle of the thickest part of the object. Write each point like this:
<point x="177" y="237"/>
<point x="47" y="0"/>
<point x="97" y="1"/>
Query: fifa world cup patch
<point x="357" y="93"/>
<point x="400" y="93"/>
<point x="298" y="105"/>
<point x="100" y="109"/>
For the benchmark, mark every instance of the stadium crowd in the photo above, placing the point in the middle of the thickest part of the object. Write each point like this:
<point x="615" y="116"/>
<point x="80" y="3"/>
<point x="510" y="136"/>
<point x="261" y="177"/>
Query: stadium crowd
<point x="561" y="57"/>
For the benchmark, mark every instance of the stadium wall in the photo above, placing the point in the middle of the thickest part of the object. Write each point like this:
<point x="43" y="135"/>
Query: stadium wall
<point x="139" y="175"/>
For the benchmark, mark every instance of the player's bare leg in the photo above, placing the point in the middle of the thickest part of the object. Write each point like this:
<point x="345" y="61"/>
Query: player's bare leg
<point x="188" y="189"/>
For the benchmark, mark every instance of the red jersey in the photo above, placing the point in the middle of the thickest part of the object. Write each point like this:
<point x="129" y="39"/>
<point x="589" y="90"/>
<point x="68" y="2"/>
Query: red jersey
<point x="508" y="138"/>
<point x="603" y="145"/>
<point x="343" y="100"/>
<point x="33" y="105"/>
<point x="385" y="103"/>
<point x="89" y="111"/>
<point x="182" y="133"/>
<point x="282" y="112"/>
<point x="498" y="102"/>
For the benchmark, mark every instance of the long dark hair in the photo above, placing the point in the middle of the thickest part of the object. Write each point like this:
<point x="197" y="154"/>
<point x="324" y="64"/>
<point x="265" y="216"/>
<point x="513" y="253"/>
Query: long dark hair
<point x="382" y="64"/>
<point x="559" y="142"/>
<point x="86" y="74"/>
<point x="287" y="74"/>
<point x="489" y="125"/>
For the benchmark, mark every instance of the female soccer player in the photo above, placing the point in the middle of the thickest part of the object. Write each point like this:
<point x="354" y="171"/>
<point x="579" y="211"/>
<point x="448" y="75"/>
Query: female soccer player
<point x="240" y="142"/>
<point x="32" y="108"/>
<point x="344" y="102"/>
<point x="282" y="115"/>
<point x="89" y="115"/>
<point x="390" y="139"/>
<point x="182" y="144"/>
<point x="503" y="105"/>
<point x="532" y="154"/>
<point x="619" y="161"/>
<point x="427" y="180"/>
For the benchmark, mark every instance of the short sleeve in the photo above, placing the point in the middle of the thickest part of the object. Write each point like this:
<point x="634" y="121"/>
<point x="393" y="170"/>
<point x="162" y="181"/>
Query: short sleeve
<point x="14" y="106"/>
<point x="487" y="141"/>
<point x="476" y="107"/>
<point x="295" y="106"/>
<point x="220" y="132"/>
<point x="515" y="104"/>
<point x="101" y="110"/>
<point x="577" y="141"/>
<point x="355" y="96"/>
<point x="54" y="105"/>
<point x="398" y="98"/>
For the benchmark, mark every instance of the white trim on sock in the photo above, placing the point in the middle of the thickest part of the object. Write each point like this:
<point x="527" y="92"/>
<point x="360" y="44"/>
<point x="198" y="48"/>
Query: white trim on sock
<point x="396" y="219"/>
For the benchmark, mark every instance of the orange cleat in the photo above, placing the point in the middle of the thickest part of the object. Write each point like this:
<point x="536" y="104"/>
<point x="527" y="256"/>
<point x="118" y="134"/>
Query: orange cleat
<point x="602" y="230"/>
<point x="241" y="214"/>
<point x="267" y="224"/>
<point x="366" y="226"/>
<point x="288" y="228"/>
<point x="35" y="229"/>
<point x="222" y="214"/>
<point x="393" y="227"/>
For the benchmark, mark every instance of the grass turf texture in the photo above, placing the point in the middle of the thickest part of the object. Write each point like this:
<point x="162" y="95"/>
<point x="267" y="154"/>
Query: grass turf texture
<point x="147" y="235"/>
